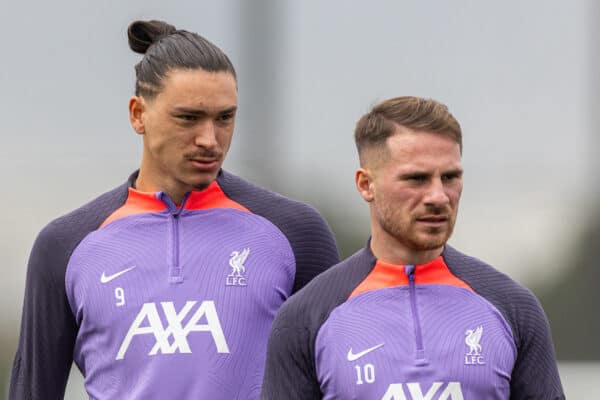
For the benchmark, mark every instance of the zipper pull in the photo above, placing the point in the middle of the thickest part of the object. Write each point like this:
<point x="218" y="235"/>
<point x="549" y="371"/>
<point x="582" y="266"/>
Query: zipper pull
<point x="409" y="270"/>
<point x="420" y="359"/>
<point x="171" y="206"/>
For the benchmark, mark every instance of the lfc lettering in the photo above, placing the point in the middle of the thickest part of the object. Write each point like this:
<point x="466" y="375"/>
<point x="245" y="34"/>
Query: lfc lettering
<point x="474" y="360"/>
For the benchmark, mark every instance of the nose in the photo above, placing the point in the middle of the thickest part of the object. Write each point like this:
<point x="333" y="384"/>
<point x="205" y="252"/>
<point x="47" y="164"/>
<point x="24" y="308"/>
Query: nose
<point x="205" y="135"/>
<point x="436" y="193"/>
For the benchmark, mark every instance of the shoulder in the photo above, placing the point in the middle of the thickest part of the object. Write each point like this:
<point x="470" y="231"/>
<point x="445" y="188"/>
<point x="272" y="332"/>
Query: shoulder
<point x="297" y="323"/>
<point x="482" y="277"/>
<point x="311" y="306"/>
<point x="519" y="306"/>
<point x="266" y="203"/>
<point x="86" y="218"/>
<point x="309" y="235"/>
<point x="535" y="374"/>
<point x="57" y="240"/>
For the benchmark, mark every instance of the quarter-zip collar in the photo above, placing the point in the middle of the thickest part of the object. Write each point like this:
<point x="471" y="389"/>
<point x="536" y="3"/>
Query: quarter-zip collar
<point x="139" y="202"/>
<point x="420" y="359"/>
<point x="385" y="275"/>
<point x="174" y="237"/>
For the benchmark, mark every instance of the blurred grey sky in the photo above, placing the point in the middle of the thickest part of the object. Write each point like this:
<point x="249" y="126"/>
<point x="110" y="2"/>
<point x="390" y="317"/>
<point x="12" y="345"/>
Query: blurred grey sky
<point x="517" y="75"/>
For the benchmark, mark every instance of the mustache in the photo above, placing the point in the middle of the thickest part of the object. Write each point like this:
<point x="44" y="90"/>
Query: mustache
<point x="203" y="154"/>
<point x="432" y="210"/>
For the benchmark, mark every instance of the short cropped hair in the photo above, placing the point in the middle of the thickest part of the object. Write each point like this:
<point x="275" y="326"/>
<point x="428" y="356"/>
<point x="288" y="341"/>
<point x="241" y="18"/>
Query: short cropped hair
<point x="167" y="48"/>
<point x="414" y="113"/>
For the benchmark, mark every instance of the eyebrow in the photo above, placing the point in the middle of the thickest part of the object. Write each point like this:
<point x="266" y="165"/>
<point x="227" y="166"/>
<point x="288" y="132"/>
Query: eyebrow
<point x="456" y="171"/>
<point x="412" y="174"/>
<point x="200" y="112"/>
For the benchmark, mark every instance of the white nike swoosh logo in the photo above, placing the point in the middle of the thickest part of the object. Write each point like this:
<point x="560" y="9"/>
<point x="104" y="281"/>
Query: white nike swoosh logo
<point x="354" y="357"/>
<point x="107" y="278"/>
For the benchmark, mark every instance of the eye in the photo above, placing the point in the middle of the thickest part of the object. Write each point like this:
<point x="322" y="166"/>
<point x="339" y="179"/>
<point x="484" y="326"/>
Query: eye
<point x="188" y="117"/>
<point x="226" y="117"/>
<point x="450" y="177"/>
<point x="417" y="178"/>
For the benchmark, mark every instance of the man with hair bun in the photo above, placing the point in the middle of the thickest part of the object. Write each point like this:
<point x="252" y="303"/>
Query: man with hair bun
<point x="166" y="287"/>
<point x="408" y="317"/>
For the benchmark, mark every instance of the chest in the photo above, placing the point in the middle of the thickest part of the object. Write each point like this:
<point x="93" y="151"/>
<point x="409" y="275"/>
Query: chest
<point x="207" y="282"/>
<point x="440" y="343"/>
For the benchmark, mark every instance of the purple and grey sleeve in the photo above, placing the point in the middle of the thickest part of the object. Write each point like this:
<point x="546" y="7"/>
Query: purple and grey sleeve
<point x="48" y="329"/>
<point x="44" y="356"/>
<point x="290" y="372"/>
<point x="291" y="367"/>
<point x="535" y="374"/>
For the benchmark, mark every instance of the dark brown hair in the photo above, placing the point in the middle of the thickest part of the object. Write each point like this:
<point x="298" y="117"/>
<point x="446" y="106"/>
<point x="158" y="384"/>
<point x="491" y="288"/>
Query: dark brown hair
<point x="166" y="48"/>
<point x="415" y="113"/>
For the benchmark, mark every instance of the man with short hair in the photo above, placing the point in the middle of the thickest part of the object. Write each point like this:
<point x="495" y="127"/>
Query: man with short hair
<point x="409" y="317"/>
<point x="166" y="287"/>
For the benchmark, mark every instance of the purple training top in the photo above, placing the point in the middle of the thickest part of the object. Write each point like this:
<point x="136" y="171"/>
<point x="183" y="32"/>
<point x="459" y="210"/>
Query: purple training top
<point x="155" y="301"/>
<point x="451" y="329"/>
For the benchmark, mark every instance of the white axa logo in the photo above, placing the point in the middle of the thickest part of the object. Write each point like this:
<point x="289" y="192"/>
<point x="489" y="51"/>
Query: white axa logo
<point x="444" y="391"/>
<point x="474" y="357"/>
<point x="149" y="313"/>
<point x="236" y="262"/>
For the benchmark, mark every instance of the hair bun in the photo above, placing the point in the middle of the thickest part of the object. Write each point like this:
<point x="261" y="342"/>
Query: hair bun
<point x="142" y="34"/>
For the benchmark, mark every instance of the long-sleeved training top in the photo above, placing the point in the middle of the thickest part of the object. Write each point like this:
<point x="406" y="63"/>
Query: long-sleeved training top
<point x="451" y="329"/>
<point x="156" y="301"/>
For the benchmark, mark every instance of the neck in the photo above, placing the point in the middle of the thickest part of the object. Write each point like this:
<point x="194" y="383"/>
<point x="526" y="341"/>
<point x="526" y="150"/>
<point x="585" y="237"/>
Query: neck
<point x="390" y="250"/>
<point x="145" y="183"/>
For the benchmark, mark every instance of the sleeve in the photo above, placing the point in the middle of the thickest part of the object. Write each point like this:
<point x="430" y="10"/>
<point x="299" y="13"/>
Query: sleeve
<point x="48" y="329"/>
<point x="535" y="374"/>
<point x="292" y="360"/>
<point x="289" y="371"/>
<point x="316" y="252"/>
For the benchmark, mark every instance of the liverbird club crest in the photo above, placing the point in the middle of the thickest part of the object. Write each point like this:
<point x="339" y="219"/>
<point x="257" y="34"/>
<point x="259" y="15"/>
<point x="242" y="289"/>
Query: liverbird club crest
<point x="473" y="356"/>
<point x="237" y="276"/>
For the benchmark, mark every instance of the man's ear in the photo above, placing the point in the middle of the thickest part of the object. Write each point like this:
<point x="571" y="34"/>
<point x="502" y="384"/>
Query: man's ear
<point x="364" y="184"/>
<point x="137" y="107"/>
